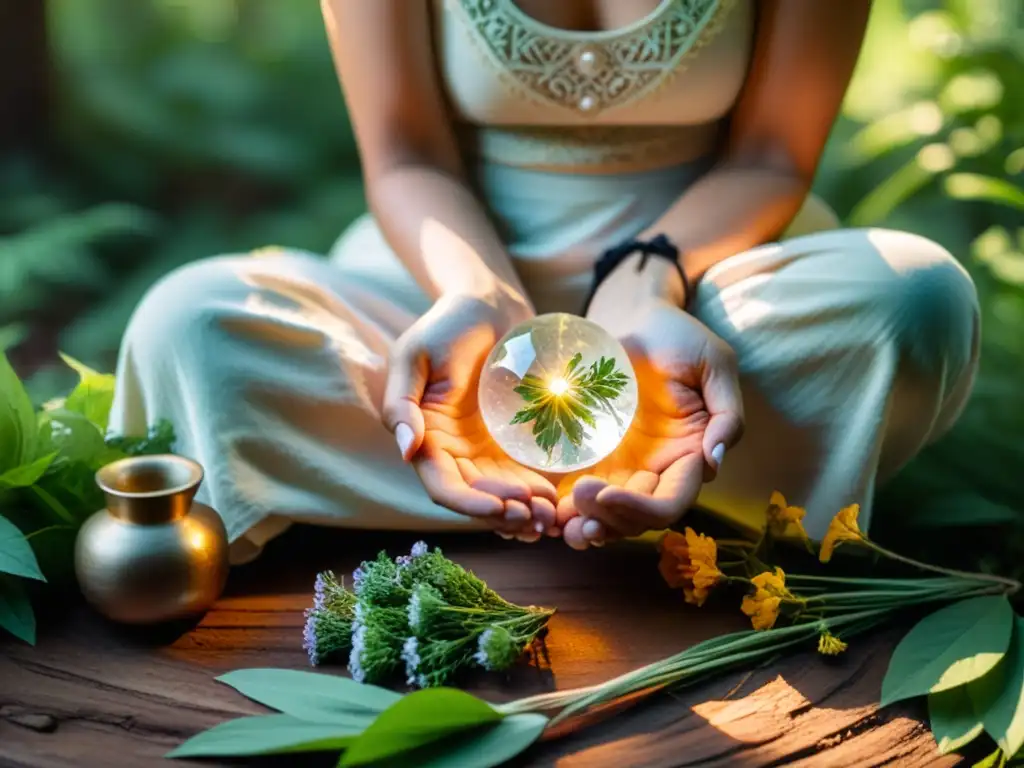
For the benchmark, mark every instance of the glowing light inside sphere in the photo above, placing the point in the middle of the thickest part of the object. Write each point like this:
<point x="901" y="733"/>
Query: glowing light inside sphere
<point x="558" y="393"/>
<point x="558" y="386"/>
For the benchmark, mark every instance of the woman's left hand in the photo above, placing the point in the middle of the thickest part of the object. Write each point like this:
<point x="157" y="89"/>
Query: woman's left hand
<point x="689" y="412"/>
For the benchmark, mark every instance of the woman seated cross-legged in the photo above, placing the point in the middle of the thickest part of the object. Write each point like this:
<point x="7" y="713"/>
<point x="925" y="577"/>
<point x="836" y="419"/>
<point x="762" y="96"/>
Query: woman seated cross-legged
<point x="508" y="148"/>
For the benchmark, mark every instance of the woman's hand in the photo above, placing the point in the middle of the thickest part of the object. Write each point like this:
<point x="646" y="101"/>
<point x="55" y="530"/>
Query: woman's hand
<point x="689" y="412"/>
<point x="430" y="404"/>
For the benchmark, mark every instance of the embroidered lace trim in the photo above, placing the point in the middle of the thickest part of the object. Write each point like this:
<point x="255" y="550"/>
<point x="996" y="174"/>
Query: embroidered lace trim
<point x="592" y="72"/>
<point x="598" y="149"/>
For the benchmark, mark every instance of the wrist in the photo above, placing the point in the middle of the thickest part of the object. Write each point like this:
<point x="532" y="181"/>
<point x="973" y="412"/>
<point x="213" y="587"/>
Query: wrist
<point x="506" y="303"/>
<point x="628" y="286"/>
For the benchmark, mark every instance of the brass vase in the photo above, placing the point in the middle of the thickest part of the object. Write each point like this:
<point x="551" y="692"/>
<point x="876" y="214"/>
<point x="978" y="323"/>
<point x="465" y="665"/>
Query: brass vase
<point x="154" y="554"/>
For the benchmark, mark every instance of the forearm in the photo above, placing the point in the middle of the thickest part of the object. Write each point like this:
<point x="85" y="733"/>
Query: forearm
<point x="442" y="234"/>
<point x="734" y="207"/>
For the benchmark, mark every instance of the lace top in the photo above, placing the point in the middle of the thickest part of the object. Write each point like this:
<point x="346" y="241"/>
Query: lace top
<point x="647" y="94"/>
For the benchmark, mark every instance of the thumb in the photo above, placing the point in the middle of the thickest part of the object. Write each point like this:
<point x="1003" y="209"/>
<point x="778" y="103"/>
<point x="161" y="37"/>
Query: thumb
<point x="408" y="370"/>
<point x="724" y="401"/>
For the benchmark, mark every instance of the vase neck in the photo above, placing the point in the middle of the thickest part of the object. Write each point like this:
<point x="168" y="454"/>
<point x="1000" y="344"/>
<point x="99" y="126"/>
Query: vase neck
<point x="150" y="490"/>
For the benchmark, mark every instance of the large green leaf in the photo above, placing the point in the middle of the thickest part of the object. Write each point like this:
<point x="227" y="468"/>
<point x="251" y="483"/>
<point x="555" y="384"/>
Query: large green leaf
<point x="16" y="556"/>
<point x="75" y="438"/>
<point x="265" y="735"/>
<point x="16" y="614"/>
<point x="93" y="396"/>
<point x="416" y="720"/>
<point x="482" y="747"/>
<point x="311" y="696"/>
<point x="26" y="474"/>
<point x="18" y="431"/>
<point x="998" y="697"/>
<point x="950" y="647"/>
<point x="953" y="720"/>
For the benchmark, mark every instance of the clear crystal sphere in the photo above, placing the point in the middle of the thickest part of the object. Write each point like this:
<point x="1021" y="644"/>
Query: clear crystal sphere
<point x="557" y="393"/>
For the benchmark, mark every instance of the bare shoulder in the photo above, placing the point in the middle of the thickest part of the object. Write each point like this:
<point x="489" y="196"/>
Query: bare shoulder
<point x="383" y="52"/>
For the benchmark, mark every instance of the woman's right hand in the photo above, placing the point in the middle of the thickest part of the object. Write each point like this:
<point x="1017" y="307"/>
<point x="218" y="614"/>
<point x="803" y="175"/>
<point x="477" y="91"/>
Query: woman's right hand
<point x="430" y="405"/>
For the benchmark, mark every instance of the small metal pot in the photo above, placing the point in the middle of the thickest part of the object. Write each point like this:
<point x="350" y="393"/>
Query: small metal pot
<point x="154" y="554"/>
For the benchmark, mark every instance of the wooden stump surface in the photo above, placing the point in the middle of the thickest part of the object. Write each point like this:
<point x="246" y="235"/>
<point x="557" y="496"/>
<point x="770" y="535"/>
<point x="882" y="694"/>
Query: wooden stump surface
<point x="91" y="694"/>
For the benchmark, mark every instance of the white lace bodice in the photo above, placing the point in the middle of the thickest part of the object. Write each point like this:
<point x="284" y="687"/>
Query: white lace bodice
<point x="531" y="94"/>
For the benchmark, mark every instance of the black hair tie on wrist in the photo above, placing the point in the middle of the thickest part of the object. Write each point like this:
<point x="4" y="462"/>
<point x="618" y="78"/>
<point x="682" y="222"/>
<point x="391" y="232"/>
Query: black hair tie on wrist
<point x="659" y="246"/>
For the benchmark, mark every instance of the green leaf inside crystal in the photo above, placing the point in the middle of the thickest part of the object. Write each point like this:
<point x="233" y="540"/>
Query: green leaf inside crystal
<point x="566" y="404"/>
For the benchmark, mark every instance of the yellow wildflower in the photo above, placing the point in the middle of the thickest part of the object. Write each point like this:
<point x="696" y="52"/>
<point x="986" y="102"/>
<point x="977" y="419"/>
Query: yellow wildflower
<point x="763" y="609"/>
<point x="830" y="645"/>
<point x="690" y="561"/>
<point x="763" y="606"/>
<point x="842" y="528"/>
<point x="781" y="516"/>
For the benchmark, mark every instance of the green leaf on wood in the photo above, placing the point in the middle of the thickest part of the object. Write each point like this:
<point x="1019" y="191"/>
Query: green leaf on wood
<point x="16" y="556"/>
<point x="93" y="396"/>
<point x="953" y="720"/>
<point x="265" y="735"/>
<point x="953" y="646"/>
<point x="416" y="720"/>
<point x="27" y="474"/>
<point x="998" y="697"/>
<point x="482" y="747"/>
<point x="311" y="696"/>
<point x="18" y="430"/>
<point x="16" y="614"/>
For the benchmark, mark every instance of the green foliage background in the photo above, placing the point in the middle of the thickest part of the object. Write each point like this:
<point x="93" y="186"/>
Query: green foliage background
<point x="195" y="127"/>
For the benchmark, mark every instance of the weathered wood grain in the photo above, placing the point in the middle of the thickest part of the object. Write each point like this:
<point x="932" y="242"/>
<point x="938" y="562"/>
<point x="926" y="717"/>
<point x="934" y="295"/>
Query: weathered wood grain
<point x="91" y="694"/>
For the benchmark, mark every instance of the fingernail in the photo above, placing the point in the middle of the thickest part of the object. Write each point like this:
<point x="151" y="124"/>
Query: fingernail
<point x="517" y="515"/>
<point x="538" y="527"/>
<point x="718" y="453"/>
<point x="591" y="529"/>
<point x="506" y="536"/>
<point x="597" y="543"/>
<point x="404" y="437"/>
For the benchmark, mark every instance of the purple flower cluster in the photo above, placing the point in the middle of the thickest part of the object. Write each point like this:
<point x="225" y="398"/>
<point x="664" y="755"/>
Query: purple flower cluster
<point x="419" y="549"/>
<point x="319" y="592"/>
<point x="358" y="576"/>
<point x="309" y="636"/>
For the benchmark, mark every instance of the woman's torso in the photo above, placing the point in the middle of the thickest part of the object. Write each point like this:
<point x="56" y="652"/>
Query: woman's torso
<point x="579" y="140"/>
<point x="649" y="94"/>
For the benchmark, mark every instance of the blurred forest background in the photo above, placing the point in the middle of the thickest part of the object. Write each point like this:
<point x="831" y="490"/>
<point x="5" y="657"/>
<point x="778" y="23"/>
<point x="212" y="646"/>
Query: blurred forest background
<point x="149" y="133"/>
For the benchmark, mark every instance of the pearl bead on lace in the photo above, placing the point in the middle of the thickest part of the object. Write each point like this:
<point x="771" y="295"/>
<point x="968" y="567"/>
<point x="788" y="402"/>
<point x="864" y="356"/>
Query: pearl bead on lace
<point x="588" y="62"/>
<point x="587" y="103"/>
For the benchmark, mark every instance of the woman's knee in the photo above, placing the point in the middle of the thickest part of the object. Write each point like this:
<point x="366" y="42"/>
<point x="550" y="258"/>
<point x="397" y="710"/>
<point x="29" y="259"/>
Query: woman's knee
<point x="183" y="306"/>
<point x="929" y="303"/>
